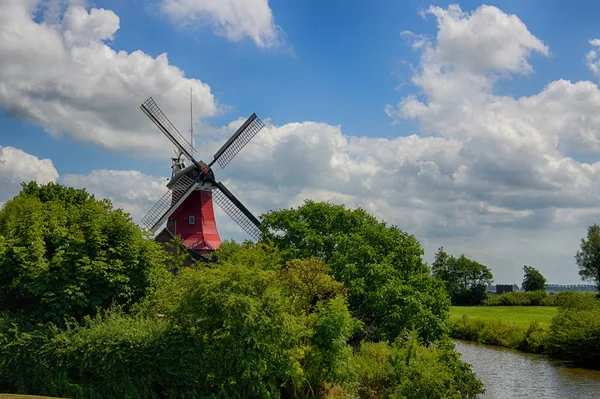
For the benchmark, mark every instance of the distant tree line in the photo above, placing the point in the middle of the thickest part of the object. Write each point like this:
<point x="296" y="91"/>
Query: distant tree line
<point x="571" y="287"/>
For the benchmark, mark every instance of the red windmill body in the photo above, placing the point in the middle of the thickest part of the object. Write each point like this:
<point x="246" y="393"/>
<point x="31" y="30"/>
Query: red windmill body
<point x="194" y="221"/>
<point x="187" y="208"/>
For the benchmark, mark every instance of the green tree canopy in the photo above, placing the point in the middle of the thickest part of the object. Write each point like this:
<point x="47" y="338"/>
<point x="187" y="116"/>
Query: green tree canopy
<point x="389" y="286"/>
<point x="65" y="253"/>
<point x="533" y="279"/>
<point x="466" y="280"/>
<point x="588" y="257"/>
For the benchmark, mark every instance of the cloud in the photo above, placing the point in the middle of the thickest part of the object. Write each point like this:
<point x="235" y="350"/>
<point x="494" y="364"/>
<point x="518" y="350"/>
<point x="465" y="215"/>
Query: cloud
<point x="62" y="74"/>
<point x="233" y="19"/>
<point x="486" y="40"/>
<point x="591" y="58"/>
<point x="516" y="169"/>
<point x="17" y="166"/>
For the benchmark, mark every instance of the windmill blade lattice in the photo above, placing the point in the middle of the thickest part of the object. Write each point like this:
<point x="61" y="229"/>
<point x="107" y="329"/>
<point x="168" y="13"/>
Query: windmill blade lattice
<point x="236" y="210"/>
<point x="238" y="141"/>
<point x="169" y="202"/>
<point x="155" y="114"/>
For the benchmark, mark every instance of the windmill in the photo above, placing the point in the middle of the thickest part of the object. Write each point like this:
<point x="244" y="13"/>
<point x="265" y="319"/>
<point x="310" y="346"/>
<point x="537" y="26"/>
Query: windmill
<point x="187" y="206"/>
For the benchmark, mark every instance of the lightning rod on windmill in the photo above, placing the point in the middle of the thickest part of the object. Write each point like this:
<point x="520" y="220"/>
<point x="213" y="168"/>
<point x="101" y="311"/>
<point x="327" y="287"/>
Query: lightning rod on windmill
<point x="191" y="120"/>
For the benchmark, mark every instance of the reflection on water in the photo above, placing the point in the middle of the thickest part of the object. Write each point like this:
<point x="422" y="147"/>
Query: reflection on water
<point x="511" y="374"/>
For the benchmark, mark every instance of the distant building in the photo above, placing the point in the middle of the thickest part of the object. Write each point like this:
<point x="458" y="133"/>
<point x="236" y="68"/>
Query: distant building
<point x="502" y="288"/>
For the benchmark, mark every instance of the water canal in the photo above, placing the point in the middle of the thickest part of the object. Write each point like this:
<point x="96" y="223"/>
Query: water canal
<point x="510" y="374"/>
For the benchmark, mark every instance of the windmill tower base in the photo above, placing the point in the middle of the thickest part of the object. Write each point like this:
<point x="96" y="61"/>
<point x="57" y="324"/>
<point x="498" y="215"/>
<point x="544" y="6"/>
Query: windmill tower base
<point x="194" y="223"/>
<point x="165" y="237"/>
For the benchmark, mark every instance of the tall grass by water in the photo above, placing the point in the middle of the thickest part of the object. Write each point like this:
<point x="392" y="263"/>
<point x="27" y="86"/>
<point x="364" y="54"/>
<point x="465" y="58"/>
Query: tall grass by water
<point x="519" y="315"/>
<point x="519" y="327"/>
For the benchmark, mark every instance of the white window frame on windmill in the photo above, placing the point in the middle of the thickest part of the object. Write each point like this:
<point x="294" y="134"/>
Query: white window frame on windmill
<point x="192" y="219"/>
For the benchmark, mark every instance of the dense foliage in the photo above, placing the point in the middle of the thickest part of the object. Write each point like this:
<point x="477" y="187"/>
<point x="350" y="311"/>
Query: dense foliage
<point x="66" y="254"/>
<point x="267" y="320"/>
<point x="466" y="280"/>
<point x="406" y="369"/>
<point x="533" y="279"/>
<point x="588" y="257"/>
<point x="531" y="298"/>
<point x="576" y="330"/>
<point x="389" y="287"/>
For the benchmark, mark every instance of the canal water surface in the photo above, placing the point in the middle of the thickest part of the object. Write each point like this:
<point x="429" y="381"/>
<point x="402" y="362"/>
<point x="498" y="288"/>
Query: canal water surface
<point x="510" y="374"/>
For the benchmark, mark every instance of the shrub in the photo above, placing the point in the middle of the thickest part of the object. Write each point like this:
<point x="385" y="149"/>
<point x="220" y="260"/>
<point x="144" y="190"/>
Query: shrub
<point x="576" y="300"/>
<point x="576" y="329"/>
<point x="374" y="372"/>
<point x="466" y="328"/>
<point x="408" y="369"/>
<point x="535" y="340"/>
<point x="531" y="298"/>
<point x="501" y="333"/>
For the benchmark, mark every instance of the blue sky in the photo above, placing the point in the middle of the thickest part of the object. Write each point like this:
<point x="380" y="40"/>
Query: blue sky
<point x="340" y="65"/>
<point x="422" y="136"/>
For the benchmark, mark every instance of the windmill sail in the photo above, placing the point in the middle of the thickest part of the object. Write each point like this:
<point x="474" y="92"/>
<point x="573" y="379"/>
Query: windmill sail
<point x="156" y="115"/>
<point x="238" y="141"/>
<point x="236" y="210"/>
<point x="169" y="203"/>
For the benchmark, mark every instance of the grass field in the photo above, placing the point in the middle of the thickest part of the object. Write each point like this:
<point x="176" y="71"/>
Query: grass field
<point x="521" y="315"/>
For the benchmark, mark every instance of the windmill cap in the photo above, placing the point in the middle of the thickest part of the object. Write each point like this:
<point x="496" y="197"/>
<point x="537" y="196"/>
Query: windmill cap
<point x="178" y="175"/>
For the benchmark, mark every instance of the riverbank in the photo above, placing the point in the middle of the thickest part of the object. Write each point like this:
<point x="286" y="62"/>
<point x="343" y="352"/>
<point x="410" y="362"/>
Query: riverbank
<point x="525" y="328"/>
<point x="570" y="332"/>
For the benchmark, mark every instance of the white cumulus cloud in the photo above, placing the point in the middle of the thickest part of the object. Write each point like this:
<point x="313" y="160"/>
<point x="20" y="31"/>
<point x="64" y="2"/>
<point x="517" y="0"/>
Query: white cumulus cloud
<point x="591" y="58"/>
<point x="514" y="173"/>
<point x="17" y="166"/>
<point x="63" y="75"/>
<point x="233" y="19"/>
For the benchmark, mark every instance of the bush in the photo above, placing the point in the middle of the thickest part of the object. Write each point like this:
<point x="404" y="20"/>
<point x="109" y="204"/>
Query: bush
<point x="531" y="298"/>
<point x="576" y="300"/>
<point x="535" y="340"/>
<point x="408" y="369"/>
<point x="229" y="332"/>
<point x="576" y="330"/>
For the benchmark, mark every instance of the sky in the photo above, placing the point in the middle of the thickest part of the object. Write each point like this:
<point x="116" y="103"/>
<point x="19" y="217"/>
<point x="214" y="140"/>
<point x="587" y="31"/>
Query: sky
<point x="473" y="126"/>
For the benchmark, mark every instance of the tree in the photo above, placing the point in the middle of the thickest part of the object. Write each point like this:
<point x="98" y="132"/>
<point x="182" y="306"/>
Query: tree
<point x="466" y="280"/>
<point x="533" y="279"/>
<point x="588" y="257"/>
<point x="65" y="254"/>
<point x="389" y="286"/>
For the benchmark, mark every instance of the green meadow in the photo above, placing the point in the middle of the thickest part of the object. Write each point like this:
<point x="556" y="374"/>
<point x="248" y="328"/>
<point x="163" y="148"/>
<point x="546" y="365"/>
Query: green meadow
<point x="520" y="315"/>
